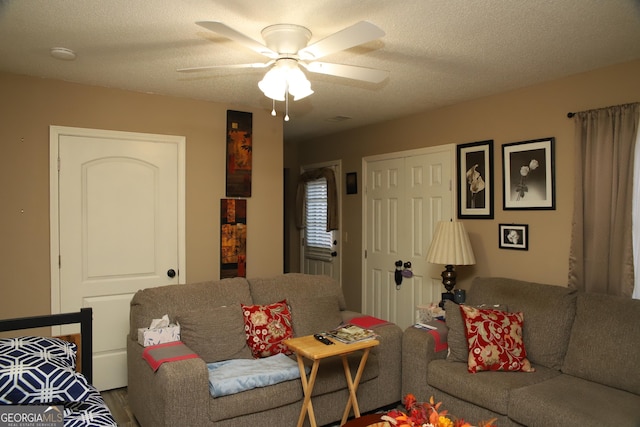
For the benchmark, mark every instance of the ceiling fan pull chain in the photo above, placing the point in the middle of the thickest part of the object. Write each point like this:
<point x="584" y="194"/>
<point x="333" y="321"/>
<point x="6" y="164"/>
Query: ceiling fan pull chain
<point x="286" y="106"/>
<point x="273" y="108"/>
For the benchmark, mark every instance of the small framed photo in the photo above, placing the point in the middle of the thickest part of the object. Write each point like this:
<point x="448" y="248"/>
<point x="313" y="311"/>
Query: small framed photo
<point x="513" y="236"/>
<point x="352" y="183"/>
<point x="475" y="180"/>
<point x="529" y="175"/>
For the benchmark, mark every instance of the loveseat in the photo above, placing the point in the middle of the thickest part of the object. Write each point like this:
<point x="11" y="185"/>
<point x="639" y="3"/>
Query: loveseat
<point x="584" y="349"/>
<point x="212" y="325"/>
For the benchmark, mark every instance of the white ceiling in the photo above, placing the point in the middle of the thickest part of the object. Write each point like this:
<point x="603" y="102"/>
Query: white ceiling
<point x="438" y="52"/>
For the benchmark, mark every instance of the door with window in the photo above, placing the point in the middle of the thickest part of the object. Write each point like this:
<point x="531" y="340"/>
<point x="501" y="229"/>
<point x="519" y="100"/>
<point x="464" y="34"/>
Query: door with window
<point x="320" y="249"/>
<point x="407" y="194"/>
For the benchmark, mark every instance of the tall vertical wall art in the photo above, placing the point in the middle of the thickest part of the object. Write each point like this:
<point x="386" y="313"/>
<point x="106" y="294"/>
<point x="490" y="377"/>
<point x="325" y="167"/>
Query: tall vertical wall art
<point x="233" y="238"/>
<point x="239" y="153"/>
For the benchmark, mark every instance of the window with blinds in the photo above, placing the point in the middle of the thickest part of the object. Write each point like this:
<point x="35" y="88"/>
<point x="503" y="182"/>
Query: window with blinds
<point x="318" y="242"/>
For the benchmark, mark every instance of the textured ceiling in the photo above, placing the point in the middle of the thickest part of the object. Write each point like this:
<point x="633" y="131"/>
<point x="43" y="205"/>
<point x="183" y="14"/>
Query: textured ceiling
<point x="438" y="52"/>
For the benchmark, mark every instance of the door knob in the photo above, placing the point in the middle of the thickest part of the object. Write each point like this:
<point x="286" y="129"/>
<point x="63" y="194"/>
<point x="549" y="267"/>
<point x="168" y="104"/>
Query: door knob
<point x="171" y="273"/>
<point x="334" y="254"/>
<point x="398" y="274"/>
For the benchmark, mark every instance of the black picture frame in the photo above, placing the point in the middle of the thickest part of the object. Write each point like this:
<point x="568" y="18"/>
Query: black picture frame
<point x="352" y="183"/>
<point x="475" y="180"/>
<point x="529" y="175"/>
<point x="513" y="236"/>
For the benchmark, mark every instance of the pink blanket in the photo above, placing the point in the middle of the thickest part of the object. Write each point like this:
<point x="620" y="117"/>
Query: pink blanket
<point x="368" y="322"/>
<point x="156" y="355"/>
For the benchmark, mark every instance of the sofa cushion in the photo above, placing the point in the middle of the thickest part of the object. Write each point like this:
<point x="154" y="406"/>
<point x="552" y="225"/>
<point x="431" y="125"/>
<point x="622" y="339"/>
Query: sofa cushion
<point x="312" y="315"/>
<point x="495" y="340"/>
<point x="291" y="286"/>
<point x="331" y="376"/>
<point x="457" y="336"/>
<point x="215" y="333"/>
<point x="266" y="327"/>
<point x="569" y="401"/>
<point x="254" y="401"/>
<point x="549" y="311"/>
<point x="489" y="390"/>
<point x="153" y="303"/>
<point x="604" y="341"/>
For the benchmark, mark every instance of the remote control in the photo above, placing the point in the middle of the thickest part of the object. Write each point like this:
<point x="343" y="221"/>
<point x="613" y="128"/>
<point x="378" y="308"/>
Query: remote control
<point x="324" y="340"/>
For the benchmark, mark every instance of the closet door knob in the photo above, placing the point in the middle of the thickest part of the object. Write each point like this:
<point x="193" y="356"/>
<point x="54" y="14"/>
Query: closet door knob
<point x="171" y="273"/>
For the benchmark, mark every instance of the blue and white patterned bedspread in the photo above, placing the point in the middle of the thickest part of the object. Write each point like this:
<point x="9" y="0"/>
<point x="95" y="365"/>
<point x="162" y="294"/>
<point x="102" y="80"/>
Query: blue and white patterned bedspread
<point x="92" y="412"/>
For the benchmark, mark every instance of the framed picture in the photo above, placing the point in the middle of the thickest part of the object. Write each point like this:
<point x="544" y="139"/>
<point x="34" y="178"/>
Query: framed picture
<point x="513" y="236"/>
<point x="475" y="180"/>
<point x="352" y="183"/>
<point x="529" y="175"/>
<point x="233" y="238"/>
<point x="239" y="153"/>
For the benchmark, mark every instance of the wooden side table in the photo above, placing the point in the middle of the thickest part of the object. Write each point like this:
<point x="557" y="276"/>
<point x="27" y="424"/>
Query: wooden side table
<point x="314" y="350"/>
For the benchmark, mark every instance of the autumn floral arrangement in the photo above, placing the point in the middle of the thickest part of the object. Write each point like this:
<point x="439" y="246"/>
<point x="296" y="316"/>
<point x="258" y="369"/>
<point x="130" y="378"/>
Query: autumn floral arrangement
<point x="426" y="414"/>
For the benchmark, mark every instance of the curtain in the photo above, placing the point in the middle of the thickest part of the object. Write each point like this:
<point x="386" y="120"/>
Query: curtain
<point x="332" y="197"/>
<point x="601" y="254"/>
<point x="636" y="215"/>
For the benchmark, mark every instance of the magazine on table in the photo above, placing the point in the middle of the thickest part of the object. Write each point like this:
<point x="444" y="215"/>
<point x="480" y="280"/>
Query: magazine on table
<point x="349" y="334"/>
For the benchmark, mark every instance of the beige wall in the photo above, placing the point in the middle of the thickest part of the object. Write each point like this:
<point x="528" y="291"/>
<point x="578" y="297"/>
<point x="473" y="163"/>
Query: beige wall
<point x="28" y="106"/>
<point x="535" y="112"/>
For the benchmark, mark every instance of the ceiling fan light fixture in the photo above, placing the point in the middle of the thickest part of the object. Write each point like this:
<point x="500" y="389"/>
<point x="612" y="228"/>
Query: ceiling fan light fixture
<point x="273" y="84"/>
<point x="287" y="47"/>
<point x="298" y="84"/>
<point x="285" y="77"/>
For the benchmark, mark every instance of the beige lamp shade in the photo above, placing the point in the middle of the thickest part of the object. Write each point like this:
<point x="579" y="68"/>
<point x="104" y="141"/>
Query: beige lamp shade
<point x="450" y="245"/>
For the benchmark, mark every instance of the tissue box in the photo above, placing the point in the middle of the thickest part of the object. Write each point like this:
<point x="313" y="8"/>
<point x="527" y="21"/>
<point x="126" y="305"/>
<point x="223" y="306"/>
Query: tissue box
<point x="148" y="336"/>
<point x="427" y="313"/>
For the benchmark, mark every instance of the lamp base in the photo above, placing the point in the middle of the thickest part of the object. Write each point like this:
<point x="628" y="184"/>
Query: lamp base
<point x="449" y="281"/>
<point x="446" y="296"/>
<point x="449" y="278"/>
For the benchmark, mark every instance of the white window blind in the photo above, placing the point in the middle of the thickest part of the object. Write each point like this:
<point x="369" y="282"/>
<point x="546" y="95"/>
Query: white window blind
<point x="318" y="242"/>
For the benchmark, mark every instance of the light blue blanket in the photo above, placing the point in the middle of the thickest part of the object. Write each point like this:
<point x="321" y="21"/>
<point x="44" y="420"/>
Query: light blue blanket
<point x="236" y="375"/>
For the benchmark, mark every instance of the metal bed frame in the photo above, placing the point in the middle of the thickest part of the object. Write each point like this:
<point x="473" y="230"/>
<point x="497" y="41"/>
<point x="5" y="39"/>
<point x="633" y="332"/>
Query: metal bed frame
<point x="84" y="317"/>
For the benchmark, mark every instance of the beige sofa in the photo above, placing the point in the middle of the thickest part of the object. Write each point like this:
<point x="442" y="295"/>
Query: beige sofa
<point x="177" y="394"/>
<point x="585" y="349"/>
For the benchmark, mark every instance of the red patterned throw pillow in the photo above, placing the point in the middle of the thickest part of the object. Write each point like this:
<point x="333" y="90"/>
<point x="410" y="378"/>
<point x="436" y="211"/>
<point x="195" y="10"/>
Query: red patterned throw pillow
<point x="266" y="327"/>
<point x="495" y="340"/>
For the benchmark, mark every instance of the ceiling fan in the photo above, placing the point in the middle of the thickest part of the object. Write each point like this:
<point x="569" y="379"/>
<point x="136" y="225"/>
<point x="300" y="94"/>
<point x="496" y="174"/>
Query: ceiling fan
<point x="286" y="47"/>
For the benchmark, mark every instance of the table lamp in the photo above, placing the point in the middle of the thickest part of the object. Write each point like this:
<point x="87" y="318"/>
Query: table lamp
<point x="450" y="246"/>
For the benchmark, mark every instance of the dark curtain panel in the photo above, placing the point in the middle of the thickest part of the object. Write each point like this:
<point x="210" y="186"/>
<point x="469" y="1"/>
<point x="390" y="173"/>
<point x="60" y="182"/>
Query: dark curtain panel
<point x="601" y="256"/>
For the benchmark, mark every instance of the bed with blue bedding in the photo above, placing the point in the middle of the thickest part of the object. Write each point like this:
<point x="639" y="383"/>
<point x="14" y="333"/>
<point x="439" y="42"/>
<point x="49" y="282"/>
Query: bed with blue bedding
<point x="43" y="371"/>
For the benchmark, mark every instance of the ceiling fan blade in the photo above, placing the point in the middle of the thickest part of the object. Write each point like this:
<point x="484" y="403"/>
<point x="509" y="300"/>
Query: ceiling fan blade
<point x="231" y="34"/>
<point x="210" y="67"/>
<point x="370" y="75"/>
<point x="355" y="35"/>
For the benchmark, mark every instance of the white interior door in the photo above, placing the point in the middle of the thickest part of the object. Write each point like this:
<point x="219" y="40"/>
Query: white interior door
<point x="406" y="195"/>
<point x="120" y="228"/>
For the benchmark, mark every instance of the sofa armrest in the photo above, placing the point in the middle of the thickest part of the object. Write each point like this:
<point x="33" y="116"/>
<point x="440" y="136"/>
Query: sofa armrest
<point x="176" y="394"/>
<point x="418" y="350"/>
<point x="390" y="357"/>
<point x="347" y="315"/>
